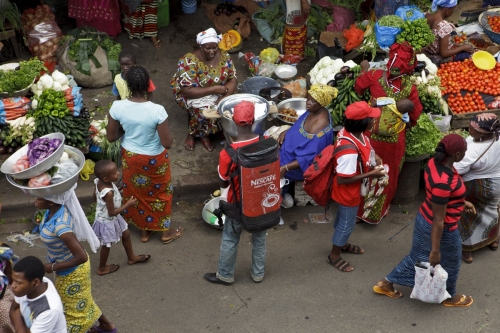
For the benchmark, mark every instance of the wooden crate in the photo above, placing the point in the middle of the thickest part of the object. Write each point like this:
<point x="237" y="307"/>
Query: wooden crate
<point x="462" y="120"/>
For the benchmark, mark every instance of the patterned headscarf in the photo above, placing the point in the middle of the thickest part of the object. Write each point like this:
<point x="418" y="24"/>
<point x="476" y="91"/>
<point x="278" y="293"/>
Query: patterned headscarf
<point x="443" y="3"/>
<point x="402" y="59"/>
<point x="208" y="36"/>
<point x="486" y="123"/>
<point x="323" y="94"/>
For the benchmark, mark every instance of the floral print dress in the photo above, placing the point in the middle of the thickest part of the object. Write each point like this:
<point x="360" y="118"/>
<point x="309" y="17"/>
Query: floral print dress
<point x="192" y="72"/>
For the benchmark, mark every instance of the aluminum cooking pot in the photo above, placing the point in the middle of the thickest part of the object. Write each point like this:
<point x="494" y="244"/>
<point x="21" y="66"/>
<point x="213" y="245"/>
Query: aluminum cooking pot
<point x="254" y="84"/>
<point x="228" y="103"/>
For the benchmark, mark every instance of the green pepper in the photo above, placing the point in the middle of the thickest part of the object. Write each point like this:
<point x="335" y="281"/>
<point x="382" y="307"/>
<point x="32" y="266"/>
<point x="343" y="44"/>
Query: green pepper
<point x="50" y="98"/>
<point x="46" y="113"/>
<point x="54" y="113"/>
<point x="62" y="114"/>
<point x="48" y="106"/>
<point x="62" y="100"/>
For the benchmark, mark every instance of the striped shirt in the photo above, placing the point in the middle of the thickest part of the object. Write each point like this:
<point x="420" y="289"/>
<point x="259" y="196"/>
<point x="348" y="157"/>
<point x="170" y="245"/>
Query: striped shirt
<point x="443" y="187"/>
<point x="50" y="232"/>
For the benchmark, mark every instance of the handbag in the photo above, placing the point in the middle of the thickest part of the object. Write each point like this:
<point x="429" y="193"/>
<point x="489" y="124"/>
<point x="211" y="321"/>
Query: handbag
<point x="430" y="283"/>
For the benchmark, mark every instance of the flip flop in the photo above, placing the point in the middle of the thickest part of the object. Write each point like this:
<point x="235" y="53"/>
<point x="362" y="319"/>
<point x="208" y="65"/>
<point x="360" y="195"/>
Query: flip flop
<point x="169" y="240"/>
<point x="462" y="303"/>
<point x="97" y="329"/>
<point x="391" y="294"/>
<point x="207" y="144"/>
<point x="144" y="258"/>
<point x="158" y="44"/>
<point x="117" y="267"/>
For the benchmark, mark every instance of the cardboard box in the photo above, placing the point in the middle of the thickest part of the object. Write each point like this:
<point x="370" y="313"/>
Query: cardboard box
<point x="328" y="38"/>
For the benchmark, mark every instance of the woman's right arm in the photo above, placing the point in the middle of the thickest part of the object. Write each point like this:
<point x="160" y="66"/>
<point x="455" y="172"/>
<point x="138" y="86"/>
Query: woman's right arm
<point x="198" y="92"/>
<point x="165" y="135"/>
<point x="438" y="212"/>
<point x="445" y="52"/>
<point x="114" y="131"/>
<point x="76" y="249"/>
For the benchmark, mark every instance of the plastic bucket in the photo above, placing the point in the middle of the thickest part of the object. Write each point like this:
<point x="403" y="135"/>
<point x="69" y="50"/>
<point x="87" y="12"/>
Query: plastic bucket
<point x="207" y="215"/>
<point x="163" y="13"/>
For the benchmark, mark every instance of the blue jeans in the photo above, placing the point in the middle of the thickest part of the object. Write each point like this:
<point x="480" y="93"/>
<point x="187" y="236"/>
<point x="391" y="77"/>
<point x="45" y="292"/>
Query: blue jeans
<point x="229" y="249"/>
<point x="344" y="224"/>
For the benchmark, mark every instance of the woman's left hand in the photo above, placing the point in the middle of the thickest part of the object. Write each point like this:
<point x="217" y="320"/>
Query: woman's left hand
<point x="282" y="171"/>
<point x="48" y="267"/>
<point x="469" y="208"/>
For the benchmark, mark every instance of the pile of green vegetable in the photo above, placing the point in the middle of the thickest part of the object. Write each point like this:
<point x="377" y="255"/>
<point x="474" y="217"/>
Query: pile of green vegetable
<point x="391" y="21"/>
<point x="53" y="103"/>
<point x="319" y="18"/>
<point x="417" y="33"/>
<point x="275" y="15"/>
<point x="85" y="43"/>
<point x="11" y="81"/>
<point x="422" y="138"/>
<point x="370" y="44"/>
<point x="75" y="129"/>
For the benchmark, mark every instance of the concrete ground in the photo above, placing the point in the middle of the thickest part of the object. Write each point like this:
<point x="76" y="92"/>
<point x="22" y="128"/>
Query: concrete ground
<point x="300" y="292"/>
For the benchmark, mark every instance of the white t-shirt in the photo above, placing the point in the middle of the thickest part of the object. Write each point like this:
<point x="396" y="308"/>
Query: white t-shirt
<point x="488" y="165"/>
<point x="139" y="121"/>
<point x="43" y="314"/>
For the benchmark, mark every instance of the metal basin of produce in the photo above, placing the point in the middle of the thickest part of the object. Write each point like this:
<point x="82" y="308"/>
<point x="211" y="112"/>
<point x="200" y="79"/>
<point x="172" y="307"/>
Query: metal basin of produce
<point x="254" y="84"/>
<point x="55" y="189"/>
<point x="298" y="104"/>
<point x="207" y="213"/>
<point x="228" y="104"/>
<point x="38" y="169"/>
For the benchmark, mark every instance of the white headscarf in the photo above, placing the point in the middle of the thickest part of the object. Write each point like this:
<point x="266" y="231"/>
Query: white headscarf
<point x="208" y="36"/>
<point x="81" y="227"/>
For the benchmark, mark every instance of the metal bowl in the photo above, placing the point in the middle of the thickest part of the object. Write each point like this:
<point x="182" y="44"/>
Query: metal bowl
<point x="285" y="72"/>
<point x="38" y="169"/>
<point x="298" y="104"/>
<point x="229" y="103"/>
<point x="254" y="84"/>
<point x="55" y="189"/>
<point x="19" y="93"/>
<point x="206" y="214"/>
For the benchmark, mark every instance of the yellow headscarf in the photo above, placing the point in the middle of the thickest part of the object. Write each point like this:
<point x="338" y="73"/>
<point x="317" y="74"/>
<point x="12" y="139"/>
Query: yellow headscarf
<point x="323" y="94"/>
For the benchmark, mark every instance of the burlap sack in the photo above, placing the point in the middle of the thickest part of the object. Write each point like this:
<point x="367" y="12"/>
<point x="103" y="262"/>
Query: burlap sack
<point x="99" y="77"/>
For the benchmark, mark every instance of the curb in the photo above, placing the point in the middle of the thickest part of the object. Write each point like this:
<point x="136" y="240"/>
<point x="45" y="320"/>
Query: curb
<point x="185" y="187"/>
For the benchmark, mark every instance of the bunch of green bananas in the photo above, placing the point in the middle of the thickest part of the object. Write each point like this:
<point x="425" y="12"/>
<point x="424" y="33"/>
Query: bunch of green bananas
<point x="346" y="96"/>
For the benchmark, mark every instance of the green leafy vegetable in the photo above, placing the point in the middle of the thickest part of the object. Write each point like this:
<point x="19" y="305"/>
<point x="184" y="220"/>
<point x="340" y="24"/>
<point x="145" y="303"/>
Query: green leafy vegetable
<point x="275" y="15"/>
<point x="11" y="81"/>
<point x="319" y="18"/>
<point x="422" y="138"/>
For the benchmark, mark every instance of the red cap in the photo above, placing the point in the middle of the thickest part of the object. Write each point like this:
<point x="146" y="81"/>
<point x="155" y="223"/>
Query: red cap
<point x="244" y="113"/>
<point x="361" y="110"/>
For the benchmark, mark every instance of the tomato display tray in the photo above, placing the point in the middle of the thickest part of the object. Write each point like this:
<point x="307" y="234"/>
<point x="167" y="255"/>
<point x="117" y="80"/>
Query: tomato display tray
<point x="462" y="120"/>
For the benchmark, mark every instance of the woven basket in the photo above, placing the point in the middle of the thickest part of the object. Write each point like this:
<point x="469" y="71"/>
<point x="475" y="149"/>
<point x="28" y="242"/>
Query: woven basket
<point x="408" y="182"/>
<point x="483" y="21"/>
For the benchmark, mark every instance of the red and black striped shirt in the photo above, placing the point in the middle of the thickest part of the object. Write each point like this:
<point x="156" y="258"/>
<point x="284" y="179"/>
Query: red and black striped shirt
<point x="443" y="186"/>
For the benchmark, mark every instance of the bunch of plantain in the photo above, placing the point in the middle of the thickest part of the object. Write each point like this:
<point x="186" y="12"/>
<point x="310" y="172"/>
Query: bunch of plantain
<point x="344" y="82"/>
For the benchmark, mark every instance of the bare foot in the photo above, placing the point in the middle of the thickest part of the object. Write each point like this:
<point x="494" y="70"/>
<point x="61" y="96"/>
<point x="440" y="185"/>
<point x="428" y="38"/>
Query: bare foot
<point x="189" y="143"/>
<point x="109" y="269"/>
<point x="156" y="42"/>
<point x="145" y="234"/>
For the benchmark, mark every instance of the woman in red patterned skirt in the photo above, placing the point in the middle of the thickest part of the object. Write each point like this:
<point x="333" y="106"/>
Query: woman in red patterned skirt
<point x="104" y="15"/>
<point x="395" y="83"/>
<point x="141" y="19"/>
<point x="145" y="159"/>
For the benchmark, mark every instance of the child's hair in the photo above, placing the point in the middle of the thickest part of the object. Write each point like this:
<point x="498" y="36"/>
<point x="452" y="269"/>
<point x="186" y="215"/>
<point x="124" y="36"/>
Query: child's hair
<point x="357" y="126"/>
<point x="102" y="168"/>
<point x="404" y="105"/>
<point x="137" y="80"/>
<point x="126" y="53"/>
<point x="31" y="267"/>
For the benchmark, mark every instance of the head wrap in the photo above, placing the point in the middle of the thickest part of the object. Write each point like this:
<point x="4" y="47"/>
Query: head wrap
<point x="486" y="123"/>
<point x="443" y="3"/>
<point x="323" y="94"/>
<point x="208" y="36"/>
<point x="451" y="144"/>
<point x="402" y="59"/>
<point x="81" y="227"/>
<point x="244" y="113"/>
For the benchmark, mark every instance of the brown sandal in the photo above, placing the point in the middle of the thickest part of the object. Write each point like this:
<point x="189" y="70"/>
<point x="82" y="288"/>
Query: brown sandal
<point x="340" y="264"/>
<point x="354" y="249"/>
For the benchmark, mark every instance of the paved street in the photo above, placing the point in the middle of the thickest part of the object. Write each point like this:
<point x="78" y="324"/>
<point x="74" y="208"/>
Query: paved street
<point x="300" y="292"/>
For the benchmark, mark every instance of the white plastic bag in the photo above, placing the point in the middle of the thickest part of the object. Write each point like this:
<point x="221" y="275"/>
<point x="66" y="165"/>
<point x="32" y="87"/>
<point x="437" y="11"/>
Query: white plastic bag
<point x="65" y="170"/>
<point x="430" y="283"/>
<point x="442" y="122"/>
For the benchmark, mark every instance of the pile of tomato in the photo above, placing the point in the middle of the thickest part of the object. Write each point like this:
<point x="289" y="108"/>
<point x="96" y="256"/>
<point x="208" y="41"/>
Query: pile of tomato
<point x="494" y="22"/>
<point x="468" y="103"/>
<point x="459" y="39"/>
<point x="456" y="76"/>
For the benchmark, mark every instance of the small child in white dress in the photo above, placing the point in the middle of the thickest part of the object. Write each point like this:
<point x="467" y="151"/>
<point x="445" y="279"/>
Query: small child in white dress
<point x="109" y="225"/>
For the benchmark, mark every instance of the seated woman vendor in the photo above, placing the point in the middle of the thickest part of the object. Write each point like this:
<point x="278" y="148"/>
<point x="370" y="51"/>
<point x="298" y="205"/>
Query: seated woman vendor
<point x="443" y="49"/>
<point x="308" y="136"/>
